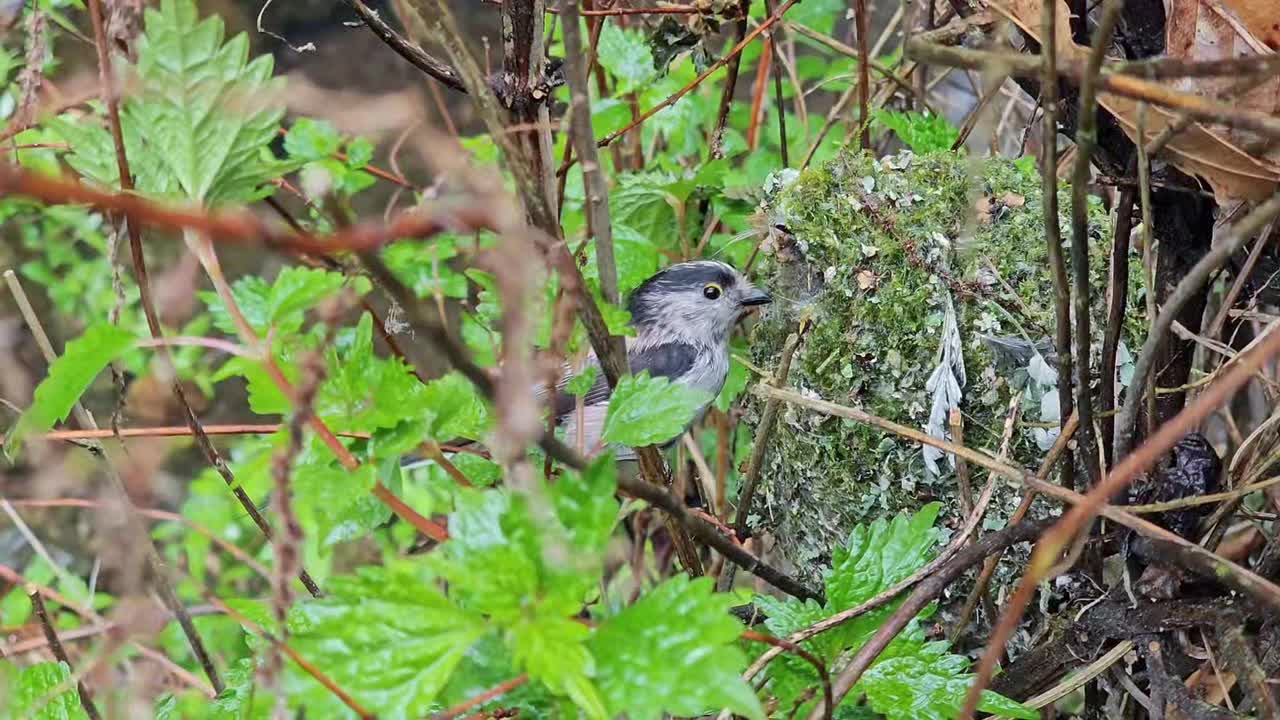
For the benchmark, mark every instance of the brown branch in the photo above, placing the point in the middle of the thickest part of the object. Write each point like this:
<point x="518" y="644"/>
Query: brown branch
<point x="1187" y="288"/>
<point x="1117" y="303"/>
<point x="1086" y="140"/>
<point x="828" y="702"/>
<point x="765" y="25"/>
<point x="416" y="56"/>
<point x="1060" y="536"/>
<point x="730" y="82"/>
<point x="492" y="693"/>
<point x="1052" y="231"/>
<point x="241" y="227"/>
<point x="51" y="635"/>
<point x="1021" y="65"/>
<point x="861" y="18"/>
<point x="598" y="223"/>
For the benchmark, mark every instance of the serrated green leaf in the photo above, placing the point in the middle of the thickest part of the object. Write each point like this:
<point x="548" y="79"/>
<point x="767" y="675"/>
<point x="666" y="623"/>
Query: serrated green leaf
<point x="624" y="54"/>
<point x="579" y="384"/>
<point x="281" y="305"/>
<point x="911" y="678"/>
<point x="338" y="500"/>
<point x="645" y="410"/>
<point x="366" y="392"/>
<point x="586" y="506"/>
<point x="458" y="409"/>
<point x="922" y="132"/>
<point x="386" y="636"/>
<point x="44" y="691"/>
<point x="915" y="680"/>
<point x="310" y="139"/>
<point x="642" y="203"/>
<point x="69" y="376"/>
<point x="673" y="651"/>
<point x="551" y="650"/>
<point x="200" y="119"/>
<point x="635" y="255"/>
<point x="238" y="701"/>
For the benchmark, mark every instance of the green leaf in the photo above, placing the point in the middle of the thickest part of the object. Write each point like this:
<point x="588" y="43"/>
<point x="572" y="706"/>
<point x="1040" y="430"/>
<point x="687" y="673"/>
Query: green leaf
<point x="923" y="133"/>
<point x="457" y="407"/>
<point x="586" y="506"/>
<point x="915" y="680"/>
<point x="202" y="117"/>
<point x="69" y="376"/>
<point x="673" y="651"/>
<point x="34" y="694"/>
<point x="625" y="54"/>
<point x="876" y="557"/>
<point x="237" y="700"/>
<point x="366" y="392"/>
<point x="644" y="203"/>
<point x="310" y="139"/>
<point x="387" y="636"/>
<point x="646" y="410"/>
<point x="581" y="383"/>
<point x="636" y="257"/>
<point x="551" y="650"/>
<point x="335" y="498"/>
<point x="911" y="678"/>
<point x="280" y="305"/>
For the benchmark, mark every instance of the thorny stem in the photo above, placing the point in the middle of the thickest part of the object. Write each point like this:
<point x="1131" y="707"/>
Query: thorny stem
<point x="60" y="653"/>
<point x="491" y="694"/>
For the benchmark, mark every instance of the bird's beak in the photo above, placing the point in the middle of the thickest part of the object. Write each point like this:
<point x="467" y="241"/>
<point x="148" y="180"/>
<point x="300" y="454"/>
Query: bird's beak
<point x="756" y="297"/>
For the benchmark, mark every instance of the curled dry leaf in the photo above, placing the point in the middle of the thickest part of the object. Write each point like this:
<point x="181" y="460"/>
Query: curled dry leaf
<point x="1235" y="163"/>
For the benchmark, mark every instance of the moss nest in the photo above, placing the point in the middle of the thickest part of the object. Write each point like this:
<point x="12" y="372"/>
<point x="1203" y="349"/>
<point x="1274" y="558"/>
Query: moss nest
<point x="886" y="258"/>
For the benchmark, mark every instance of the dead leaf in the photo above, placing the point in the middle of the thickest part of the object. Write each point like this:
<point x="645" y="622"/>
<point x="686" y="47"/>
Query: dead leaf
<point x="1013" y="200"/>
<point x="1196" y="30"/>
<point x="982" y="210"/>
<point x="867" y="280"/>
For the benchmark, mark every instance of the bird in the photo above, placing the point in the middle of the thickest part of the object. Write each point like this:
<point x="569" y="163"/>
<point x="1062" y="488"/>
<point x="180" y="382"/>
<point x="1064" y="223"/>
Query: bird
<point x="683" y="317"/>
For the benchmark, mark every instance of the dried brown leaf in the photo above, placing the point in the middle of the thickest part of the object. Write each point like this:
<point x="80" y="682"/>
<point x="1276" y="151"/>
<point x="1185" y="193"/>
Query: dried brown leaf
<point x="1235" y="163"/>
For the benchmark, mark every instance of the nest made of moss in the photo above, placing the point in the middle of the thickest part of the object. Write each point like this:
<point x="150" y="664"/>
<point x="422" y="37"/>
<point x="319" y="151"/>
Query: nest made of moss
<point x="910" y="269"/>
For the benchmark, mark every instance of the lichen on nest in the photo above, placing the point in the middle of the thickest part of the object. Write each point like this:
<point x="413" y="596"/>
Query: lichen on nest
<point x="878" y="253"/>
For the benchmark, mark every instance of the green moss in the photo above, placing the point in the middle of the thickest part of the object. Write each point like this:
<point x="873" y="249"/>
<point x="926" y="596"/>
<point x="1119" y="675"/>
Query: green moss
<point x="873" y="251"/>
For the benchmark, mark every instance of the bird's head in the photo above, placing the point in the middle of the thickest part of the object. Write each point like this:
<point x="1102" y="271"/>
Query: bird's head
<point x="697" y="302"/>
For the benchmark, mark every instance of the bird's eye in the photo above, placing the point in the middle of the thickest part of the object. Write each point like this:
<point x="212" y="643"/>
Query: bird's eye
<point x="711" y="291"/>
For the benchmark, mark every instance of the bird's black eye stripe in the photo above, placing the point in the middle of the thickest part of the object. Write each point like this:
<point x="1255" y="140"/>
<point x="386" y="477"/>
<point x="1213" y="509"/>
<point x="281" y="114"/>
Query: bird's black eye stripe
<point x="711" y="291"/>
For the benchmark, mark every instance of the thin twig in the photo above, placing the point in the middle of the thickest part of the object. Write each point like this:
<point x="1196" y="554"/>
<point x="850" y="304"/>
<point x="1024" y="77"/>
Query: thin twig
<point x="926" y="592"/>
<point x="828" y="701"/>
<point x="1086" y="140"/>
<point x="159" y="572"/>
<point x="492" y="693"/>
<point x="432" y="66"/>
<point x="765" y="25"/>
<point x="1190" y="285"/>
<point x="862" y="20"/>
<point x="86" y="699"/>
<point x="1052" y="232"/>
<point x="1117" y="304"/>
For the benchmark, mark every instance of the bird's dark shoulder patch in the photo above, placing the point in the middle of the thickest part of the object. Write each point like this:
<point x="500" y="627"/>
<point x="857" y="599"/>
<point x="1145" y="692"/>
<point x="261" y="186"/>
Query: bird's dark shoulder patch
<point x="669" y="360"/>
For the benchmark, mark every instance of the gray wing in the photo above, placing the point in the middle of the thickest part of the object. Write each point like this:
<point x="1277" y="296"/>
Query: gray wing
<point x="669" y="360"/>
